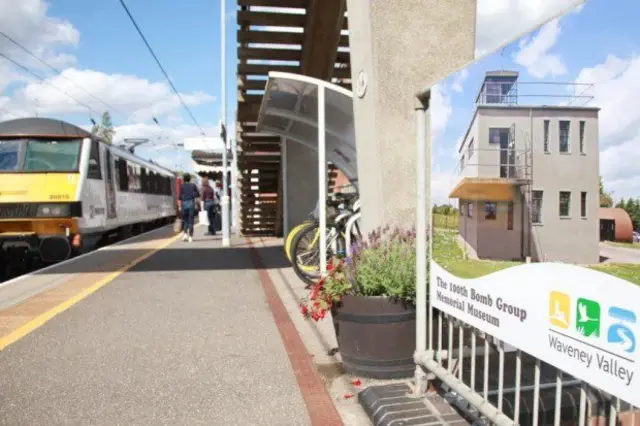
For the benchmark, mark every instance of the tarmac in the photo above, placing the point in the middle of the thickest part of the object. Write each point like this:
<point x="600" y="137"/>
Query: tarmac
<point x="160" y="331"/>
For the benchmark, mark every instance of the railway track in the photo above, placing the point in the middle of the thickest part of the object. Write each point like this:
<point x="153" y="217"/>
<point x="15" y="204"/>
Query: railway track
<point x="10" y="271"/>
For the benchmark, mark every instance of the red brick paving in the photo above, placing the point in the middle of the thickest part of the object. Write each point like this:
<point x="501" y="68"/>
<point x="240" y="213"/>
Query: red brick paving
<point x="319" y="404"/>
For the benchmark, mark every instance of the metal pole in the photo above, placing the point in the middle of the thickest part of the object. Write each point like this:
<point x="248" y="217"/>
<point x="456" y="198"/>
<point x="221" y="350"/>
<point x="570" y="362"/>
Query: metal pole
<point x="322" y="180"/>
<point x="421" y="244"/>
<point x="234" y="186"/>
<point x="225" y="188"/>
<point x="285" y="189"/>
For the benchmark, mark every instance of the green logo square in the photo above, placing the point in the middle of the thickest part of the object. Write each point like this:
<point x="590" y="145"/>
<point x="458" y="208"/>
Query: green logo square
<point x="588" y="318"/>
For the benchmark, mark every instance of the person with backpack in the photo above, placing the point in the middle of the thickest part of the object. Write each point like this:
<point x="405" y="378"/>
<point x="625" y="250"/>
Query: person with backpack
<point x="187" y="202"/>
<point x="209" y="196"/>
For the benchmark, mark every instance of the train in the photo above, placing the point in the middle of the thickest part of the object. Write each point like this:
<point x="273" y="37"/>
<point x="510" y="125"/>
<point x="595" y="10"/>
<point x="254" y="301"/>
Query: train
<point x="64" y="191"/>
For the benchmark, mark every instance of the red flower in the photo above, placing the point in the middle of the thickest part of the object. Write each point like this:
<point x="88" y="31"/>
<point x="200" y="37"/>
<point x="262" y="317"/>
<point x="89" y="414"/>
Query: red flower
<point x="348" y="395"/>
<point x="356" y="382"/>
<point x="330" y="266"/>
<point x="304" y="310"/>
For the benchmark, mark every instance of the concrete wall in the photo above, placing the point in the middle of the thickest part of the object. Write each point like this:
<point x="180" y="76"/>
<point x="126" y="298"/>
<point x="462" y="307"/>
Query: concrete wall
<point x="572" y="239"/>
<point x="301" y="184"/>
<point x="399" y="47"/>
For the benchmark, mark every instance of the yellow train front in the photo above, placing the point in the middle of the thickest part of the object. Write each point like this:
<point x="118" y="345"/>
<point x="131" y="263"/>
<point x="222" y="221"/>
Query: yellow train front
<point x="62" y="190"/>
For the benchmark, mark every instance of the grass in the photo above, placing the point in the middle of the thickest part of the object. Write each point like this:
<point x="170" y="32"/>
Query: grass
<point x="446" y="221"/>
<point x="625" y="245"/>
<point x="448" y="254"/>
<point x="627" y="272"/>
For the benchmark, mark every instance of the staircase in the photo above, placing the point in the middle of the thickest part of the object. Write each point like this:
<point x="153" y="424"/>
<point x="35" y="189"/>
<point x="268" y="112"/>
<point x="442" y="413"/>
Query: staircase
<point x="295" y="36"/>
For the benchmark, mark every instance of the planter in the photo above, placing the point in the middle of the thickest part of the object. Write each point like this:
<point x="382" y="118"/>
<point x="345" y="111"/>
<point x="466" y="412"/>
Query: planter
<point x="376" y="336"/>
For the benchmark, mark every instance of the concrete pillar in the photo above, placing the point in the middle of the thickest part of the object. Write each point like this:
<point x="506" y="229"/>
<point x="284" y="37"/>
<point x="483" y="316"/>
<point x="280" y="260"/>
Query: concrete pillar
<point x="300" y="184"/>
<point x="397" y="48"/>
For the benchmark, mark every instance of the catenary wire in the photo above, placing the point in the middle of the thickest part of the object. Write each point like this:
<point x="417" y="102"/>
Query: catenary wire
<point x="160" y="65"/>
<point x="60" y="73"/>
<point x="22" y="67"/>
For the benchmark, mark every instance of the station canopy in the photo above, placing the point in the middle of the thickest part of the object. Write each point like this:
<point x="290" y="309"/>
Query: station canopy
<point x="290" y="109"/>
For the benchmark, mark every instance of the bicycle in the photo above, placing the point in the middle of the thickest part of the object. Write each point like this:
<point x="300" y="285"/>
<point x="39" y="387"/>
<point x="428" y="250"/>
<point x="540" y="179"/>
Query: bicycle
<point x="291" y="235"/>
<point x="342" y="228"/>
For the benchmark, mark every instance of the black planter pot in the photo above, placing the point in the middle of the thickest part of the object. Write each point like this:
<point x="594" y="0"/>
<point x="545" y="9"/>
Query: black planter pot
<point x="376" y="336"/>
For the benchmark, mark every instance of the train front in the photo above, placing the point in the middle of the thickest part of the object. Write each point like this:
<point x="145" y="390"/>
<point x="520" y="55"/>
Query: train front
<point x="39" y="180"/>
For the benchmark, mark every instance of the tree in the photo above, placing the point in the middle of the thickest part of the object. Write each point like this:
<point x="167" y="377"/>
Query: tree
<point x="104" y="130"/>
<point x="606" y="200"/>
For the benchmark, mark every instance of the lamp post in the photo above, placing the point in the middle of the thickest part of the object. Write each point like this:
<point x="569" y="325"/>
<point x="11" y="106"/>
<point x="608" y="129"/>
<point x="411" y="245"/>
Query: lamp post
<point x="234" y="186"/>
<point x="223" y="127"/>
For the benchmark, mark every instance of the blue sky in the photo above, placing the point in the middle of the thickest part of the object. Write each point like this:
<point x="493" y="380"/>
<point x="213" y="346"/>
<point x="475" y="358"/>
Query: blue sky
<point x="100" y="38"/>
<point x="595" y="44"/>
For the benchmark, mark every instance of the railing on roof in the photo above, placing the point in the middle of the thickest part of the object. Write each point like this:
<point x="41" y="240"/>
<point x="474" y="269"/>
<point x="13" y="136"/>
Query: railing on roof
<point x="512" y="93"/>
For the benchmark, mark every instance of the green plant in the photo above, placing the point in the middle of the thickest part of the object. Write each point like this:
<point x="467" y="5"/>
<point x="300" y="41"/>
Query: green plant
<point x="383" y="265"/>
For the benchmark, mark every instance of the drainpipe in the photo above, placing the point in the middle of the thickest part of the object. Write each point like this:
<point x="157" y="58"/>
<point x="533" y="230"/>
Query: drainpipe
<point x="423" y="221"/>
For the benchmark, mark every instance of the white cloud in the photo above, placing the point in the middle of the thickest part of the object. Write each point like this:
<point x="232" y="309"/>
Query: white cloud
<point x="459" y="79"/>
<point x="500" y="22"/>
<point x="134" y="97"/>
<point x="442" y="181"/>
<point x="27" y="22"/>
<point x="534" y="52"/>
<point x="440" y="109"/>
<point x="616" y="85"/>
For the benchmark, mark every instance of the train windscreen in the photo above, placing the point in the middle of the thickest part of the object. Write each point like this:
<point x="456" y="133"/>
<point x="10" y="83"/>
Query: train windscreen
<point x="39" y="155"/>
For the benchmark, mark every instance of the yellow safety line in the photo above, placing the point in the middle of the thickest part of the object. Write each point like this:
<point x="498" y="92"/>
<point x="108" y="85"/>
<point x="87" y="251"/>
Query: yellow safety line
<point x="41" y="319"/>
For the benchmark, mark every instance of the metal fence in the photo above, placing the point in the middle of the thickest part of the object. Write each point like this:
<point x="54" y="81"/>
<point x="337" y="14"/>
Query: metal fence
<point x="490" y="381"/>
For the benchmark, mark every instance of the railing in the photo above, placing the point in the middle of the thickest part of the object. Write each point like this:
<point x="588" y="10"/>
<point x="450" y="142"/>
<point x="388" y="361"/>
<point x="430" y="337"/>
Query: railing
<point x="509" y="401"/>
<point x="535" y="93"/>
<point x="518" y="163"/>
<point x="500" y="360"/>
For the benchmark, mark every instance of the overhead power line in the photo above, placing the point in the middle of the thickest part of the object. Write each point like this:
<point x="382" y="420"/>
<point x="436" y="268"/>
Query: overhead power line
<point x="22" y="67"/>
<point x="160" y="65"/>
<point x="60" y="73"/>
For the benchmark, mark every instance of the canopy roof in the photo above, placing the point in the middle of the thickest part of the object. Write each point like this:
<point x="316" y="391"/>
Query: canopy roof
<point x="290" y="109"/>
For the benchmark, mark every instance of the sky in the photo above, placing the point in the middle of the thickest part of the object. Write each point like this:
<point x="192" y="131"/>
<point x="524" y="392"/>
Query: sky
<point x="593" y="44"/>
<point x="99" y="52"/>
<point x="105" y="64"/>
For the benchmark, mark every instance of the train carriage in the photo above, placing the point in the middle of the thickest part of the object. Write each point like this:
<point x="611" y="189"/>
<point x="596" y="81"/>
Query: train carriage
<point x="63" y="190"/>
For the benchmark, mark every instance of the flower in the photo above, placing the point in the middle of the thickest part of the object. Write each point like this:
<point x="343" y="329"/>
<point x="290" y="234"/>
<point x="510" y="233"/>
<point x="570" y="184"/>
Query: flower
<point x="383" y="265"/>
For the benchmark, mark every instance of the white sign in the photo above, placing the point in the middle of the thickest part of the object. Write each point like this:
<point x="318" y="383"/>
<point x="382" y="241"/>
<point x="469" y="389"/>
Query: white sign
<point x="581" y="321"/>
<point x="202" y="143"/>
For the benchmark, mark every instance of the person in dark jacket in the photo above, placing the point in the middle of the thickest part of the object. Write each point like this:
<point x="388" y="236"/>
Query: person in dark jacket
<point x="189" y="195"/>
<point x="208" y="196"/>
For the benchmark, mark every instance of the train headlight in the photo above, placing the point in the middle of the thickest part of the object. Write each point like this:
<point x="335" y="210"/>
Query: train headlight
<point x="53" y="210"/>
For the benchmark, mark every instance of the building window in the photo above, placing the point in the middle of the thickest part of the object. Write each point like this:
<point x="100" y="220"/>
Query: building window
<point x="565" y="203"/>
<point x="536" y="207"/>
<point x="94" y="171"/>
<point x="564" y="136"/>
<point x="582" y="123"/>
<point x="510" y="216"/>
<point x="546" y="136"/>
<point x="470" y="150"/>
<point x="499" y="135"/>
<point x="489" y="210"/>
<point x="583" y="204"/>
<point x="470" y="209"/>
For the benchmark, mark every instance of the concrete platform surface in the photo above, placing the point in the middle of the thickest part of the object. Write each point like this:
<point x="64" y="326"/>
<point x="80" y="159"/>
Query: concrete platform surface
<point x="186" y="336"/>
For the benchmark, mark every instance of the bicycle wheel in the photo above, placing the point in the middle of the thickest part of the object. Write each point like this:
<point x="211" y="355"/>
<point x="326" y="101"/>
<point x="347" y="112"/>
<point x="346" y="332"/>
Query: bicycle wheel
<point x="291" y="236"/>
<point x="305" y="250"/>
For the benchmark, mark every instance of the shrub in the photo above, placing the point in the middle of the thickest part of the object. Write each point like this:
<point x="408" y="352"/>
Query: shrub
<point x="383" y="265"/>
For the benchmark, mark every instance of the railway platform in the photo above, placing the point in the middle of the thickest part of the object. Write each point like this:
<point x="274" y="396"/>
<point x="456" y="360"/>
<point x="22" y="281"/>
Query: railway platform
<point x="155" y="330"/>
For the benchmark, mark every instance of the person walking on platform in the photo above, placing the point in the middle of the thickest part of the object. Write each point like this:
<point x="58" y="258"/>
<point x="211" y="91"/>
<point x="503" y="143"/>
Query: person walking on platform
<point x="189" y="195"/>
<point x="208" y="196"/>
